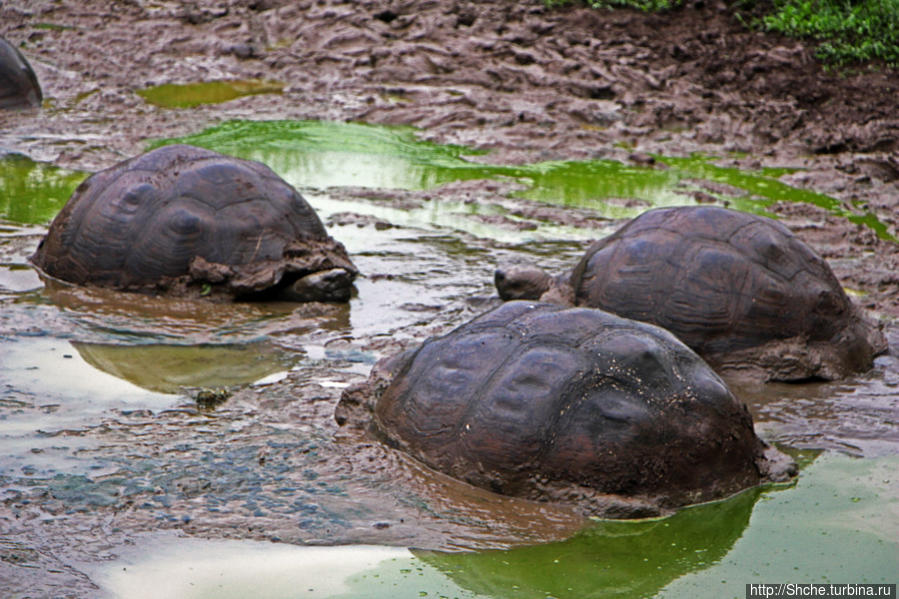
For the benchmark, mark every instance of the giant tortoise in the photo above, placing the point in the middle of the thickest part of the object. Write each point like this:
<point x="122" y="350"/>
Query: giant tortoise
<point x="741" y="290"/>
<point x="544" y="402"/>
<point x="19" y="87"/>
<point x="186" y="220"/>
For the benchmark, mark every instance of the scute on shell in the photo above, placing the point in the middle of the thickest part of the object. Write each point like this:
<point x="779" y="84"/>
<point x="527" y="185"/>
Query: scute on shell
<point x="545" y="402"/>
<point x="740" y="289"/>
<point x="180" y="218"/>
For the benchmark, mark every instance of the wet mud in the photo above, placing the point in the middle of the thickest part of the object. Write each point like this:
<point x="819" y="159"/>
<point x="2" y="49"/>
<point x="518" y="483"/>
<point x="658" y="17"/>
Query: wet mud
<point x="89" y="468"/>
<point x="524" y="81"/>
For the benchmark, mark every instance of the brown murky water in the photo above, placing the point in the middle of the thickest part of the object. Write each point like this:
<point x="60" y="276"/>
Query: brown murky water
<point x="104" y="438"/>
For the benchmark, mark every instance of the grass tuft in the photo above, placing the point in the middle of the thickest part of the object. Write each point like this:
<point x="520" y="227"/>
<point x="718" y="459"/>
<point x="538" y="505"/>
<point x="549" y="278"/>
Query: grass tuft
<point x="848" y="31"/>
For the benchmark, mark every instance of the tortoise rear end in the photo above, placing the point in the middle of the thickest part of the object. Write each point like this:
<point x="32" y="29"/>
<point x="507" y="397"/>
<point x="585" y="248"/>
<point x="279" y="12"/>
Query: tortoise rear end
<point x="739" y="289"/>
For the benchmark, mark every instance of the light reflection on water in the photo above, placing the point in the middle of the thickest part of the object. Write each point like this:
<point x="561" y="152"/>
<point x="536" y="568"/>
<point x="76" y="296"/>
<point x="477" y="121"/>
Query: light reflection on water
<point x="95" y="411"/>
<point x="837" y="523"/>
<point x="54" y="372"/>
<point x="172" y="368"/>
<point x="322" y="154"/>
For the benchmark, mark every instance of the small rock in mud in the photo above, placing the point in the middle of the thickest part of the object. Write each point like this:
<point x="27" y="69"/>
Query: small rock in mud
<point x="360" y="220"/>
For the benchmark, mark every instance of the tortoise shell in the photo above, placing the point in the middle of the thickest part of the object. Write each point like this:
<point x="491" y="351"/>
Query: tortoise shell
<point x="181" y="215"/>
<point x="725" y="282"/>
<point x="19" y="87"/>
<point x="536" y="400"/>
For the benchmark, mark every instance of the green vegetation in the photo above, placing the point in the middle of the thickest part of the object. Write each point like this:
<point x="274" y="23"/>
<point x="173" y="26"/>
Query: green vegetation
<point x="848" y="31"/>
<point x="321" y="154"/>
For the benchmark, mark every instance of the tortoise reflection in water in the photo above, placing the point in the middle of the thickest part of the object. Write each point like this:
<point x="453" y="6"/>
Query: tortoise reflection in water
<point x="183" y="220"/>
<point x="575" y="404"/>
<point x="741" y="290"/>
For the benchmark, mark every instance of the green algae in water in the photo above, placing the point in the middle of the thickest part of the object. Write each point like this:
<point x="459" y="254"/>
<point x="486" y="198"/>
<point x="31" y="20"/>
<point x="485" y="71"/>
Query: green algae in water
<point x="188" y="95"/>
<point x="838" y="523"/>
<point x="611" y="559"/>
<point x="324" y="154"/>
<point x="33" y="192"/>
<point x="321" y="154"/>
<point x="764" y="189"/>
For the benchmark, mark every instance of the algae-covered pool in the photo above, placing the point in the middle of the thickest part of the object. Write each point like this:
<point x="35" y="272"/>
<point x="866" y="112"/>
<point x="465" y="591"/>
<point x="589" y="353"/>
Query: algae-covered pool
<point x="830" y="528"/>
<point x="118" y="476"/>
<point x="188" y="95"/>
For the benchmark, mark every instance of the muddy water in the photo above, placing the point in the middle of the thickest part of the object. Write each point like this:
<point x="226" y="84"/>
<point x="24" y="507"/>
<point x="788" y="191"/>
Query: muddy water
<point x="699" y="552"/>
<point x="108" y="438"/>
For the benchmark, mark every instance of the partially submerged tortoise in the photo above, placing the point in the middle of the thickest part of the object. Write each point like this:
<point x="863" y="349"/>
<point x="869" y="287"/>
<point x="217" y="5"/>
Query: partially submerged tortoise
<point x="19" y="87"/>
<point x="185" y="220"/>
<point x="739" y="289"/>
<point x="550" y="403"/>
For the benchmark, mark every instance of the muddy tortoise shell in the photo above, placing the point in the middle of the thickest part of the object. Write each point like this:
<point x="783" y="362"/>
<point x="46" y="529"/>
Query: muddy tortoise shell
<point x="725" y="282"/>
<point x="19" y="87"/>
<point x="182" y="216"/>
<point x="540" y="401"/>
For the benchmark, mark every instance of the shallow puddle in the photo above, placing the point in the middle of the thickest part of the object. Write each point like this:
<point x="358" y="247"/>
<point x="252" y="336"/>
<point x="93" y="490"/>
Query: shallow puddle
<point x="173" y="368"/>
<point x="33" y="192"/>
<point x="858" y="415"/>
<point x="832" y="515"/>
<point x="101" y="429"/>
<point x="322" y="154"/>
<point x="188" y="95"/>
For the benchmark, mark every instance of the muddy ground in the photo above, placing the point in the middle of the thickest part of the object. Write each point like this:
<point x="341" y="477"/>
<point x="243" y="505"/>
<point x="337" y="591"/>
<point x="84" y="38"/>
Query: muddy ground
<point x="527" y="82"/>
<point x="523" y="81"/>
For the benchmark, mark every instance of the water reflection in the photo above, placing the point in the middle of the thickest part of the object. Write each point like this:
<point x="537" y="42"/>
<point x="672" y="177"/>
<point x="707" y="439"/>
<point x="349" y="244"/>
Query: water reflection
<point x="18" y="278"/>
<point x="33" y="192"/>
<point x="52" y="372"/>
<point x="857" y="415"/>
<point x="321" y="154"/>
<point x="188" y="95"/>
<point x="98" y="314"/>
<point x="610" y="559"/>
<point x="195" y="569"/>
<point x="50" y="397"/>
<point x="837" y="523"/>
<point x="172" y="368"/>
<point x="92" y="434"/>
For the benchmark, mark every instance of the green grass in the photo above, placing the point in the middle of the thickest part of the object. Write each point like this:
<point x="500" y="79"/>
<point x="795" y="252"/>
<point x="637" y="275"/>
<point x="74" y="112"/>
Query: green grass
<point x="847" y="31"/>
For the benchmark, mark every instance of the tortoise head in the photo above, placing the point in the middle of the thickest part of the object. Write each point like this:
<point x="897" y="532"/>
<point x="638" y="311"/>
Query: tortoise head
<point x="521" y="282"/>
